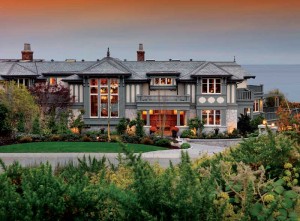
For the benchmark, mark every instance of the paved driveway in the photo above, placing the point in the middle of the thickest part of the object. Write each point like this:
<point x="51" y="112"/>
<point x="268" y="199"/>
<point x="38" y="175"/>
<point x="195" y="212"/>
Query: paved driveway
<point x="162" y="157"/>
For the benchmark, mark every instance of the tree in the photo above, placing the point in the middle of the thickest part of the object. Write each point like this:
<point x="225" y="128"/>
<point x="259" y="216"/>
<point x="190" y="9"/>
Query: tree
<point x="4" y="121"/>
<point x="196" y="124"/>
<point x="18" y="100"/>
<point x="139" y="125"/>
<point x="51" y="98"/>
<point x="243" y="124"/>
<point x="275" y="94"/>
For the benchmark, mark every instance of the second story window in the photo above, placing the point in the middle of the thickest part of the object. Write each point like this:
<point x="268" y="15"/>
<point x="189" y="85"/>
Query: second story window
<point x="256" y="106"/>
<point x="211" y="86"/>
<point x="163" y="81"/>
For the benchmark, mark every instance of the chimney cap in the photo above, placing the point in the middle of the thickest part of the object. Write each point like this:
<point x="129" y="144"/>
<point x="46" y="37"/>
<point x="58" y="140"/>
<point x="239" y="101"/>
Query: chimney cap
<point x="141" y="47"/>
<point x="27" y="47"/>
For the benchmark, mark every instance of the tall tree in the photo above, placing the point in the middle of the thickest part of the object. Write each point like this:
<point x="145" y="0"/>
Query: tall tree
<point x="18" y="101"/>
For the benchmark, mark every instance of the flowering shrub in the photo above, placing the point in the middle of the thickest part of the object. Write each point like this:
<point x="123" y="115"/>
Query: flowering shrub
<point x="153" y="129"/>
<point x="175" y="129"/>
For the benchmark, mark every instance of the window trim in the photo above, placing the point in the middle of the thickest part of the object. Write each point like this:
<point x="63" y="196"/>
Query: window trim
<point x="109" y="94"/>
<point x="207" y="113"/>
<point x="214" y="85"/>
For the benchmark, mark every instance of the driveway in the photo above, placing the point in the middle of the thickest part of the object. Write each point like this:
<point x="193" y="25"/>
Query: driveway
<point x="163" y="157"/>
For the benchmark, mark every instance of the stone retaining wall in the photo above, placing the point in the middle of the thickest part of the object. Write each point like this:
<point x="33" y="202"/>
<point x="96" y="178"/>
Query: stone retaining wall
<point x="216" y="142"/>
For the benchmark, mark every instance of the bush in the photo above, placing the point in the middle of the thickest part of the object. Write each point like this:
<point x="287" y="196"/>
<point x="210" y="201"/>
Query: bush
<point x="25" y="139"/>
<point x="102" y="138"/>
<point x="185" y="146"/>
<point x="162" y="142"/>
<point x="122" y="125"/>
<point x="131" y="138"/>
<point x="147" y="141"/>
<point x="186" y="134"/>
<point x="55" y="138"/>
<point x="86" y="139"/>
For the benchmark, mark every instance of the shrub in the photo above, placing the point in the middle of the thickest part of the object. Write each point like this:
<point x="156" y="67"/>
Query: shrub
<point x="25" y="139"/>
<point x="243" y="124"/>
<point x="185" y="146"/>
<point x="163" y="142"/>
<point x="70" y="137"/>
<point x="36" y="128"/>
<point x="115" y="138"/>
<point x="186" y="134"/>
<point x="55" y="138"/>
<point x="153" y="129"/>
<point x="102" y="138"/>
<point x="147" y="141"/>
<point x="86" y="139"/>
<point x="139" y="126"/>
<point x="5" y="127"/>
<point x="130" y="138"/>
<point x="122" y="125"/>
<point x="175" y="129"/>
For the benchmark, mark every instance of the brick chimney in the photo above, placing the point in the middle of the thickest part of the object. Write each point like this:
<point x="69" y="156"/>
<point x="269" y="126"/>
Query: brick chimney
<point x="141" y="53"/>
<point x="27" y="54"/>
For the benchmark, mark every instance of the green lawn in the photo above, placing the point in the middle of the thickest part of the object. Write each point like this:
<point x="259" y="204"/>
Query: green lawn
<point x="75" y="147"/>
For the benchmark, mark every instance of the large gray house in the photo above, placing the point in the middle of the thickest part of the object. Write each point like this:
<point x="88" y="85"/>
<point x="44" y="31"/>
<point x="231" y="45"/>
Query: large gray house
<point x="167" y="93"/>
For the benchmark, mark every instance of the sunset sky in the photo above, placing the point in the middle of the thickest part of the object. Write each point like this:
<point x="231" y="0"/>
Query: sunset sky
<point x="255" y="31"/>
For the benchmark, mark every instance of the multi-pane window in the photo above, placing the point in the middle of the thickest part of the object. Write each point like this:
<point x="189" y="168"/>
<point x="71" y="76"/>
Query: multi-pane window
<point x="256" y="106"/>
<point x="211" y="117"/>
<point x="211" y="86"/>
<point x="162" y="81"/>
<point x="104" y="97"/>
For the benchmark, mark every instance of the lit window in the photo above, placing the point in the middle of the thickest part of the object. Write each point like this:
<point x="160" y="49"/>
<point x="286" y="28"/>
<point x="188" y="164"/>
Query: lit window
<point x="163" y="81"/>
<point x="211" y="86"/>
<point x="211" y="117"/>
<point x="256" y="106"/>
<point x="52" y="81"/>
<point x="104" y="88"/>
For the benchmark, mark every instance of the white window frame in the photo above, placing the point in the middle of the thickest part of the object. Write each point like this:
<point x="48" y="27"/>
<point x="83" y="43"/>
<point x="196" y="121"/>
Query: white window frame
<point x="256" y="106"/>
<point x="214" y="87"/>
<point x="207" y="113"/>
<point x="160" y="80"/>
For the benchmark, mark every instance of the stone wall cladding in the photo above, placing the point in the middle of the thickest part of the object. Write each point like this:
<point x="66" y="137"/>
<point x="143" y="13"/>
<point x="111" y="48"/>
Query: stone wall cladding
<point x="130" y="113"/>
<point x="231" y="119"/>
<point x="193" y="114"/>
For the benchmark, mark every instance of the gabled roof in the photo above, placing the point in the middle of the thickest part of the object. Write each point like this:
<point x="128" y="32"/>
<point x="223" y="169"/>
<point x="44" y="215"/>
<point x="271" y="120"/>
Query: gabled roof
<point x="209" y="69"/>
<point x="72" y="78"/>
<point x="109" y="66"/>
<point x="18" y="70"/>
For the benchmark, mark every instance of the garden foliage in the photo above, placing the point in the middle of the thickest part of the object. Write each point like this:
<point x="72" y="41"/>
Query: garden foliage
<point x="257" y="180"/>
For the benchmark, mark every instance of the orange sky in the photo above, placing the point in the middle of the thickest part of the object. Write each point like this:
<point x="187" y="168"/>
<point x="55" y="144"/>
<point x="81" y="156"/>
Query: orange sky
<point x="156" y="22"/>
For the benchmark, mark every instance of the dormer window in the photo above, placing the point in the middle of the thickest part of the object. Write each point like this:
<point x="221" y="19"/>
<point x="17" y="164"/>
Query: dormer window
<point x="211" y="86"/>
<point x="163" y="81"/>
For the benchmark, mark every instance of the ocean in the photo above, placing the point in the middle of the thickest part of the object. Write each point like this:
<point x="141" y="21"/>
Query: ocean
<point x="286" y="78"/>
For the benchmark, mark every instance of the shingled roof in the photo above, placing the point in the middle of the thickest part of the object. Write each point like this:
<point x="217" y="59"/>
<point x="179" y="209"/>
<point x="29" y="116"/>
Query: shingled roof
<point x="135" y="70"/>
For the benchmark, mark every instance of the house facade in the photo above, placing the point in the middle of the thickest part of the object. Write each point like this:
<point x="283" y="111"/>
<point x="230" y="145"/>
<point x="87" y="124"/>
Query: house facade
<point x="167" y="93"/>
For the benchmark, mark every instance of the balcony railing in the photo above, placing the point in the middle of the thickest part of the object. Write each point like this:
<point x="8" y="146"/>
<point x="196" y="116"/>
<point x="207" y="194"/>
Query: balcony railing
<point x="169" y="98"/>
<point x="256" y="88"/>
<point x="244" y="95"/>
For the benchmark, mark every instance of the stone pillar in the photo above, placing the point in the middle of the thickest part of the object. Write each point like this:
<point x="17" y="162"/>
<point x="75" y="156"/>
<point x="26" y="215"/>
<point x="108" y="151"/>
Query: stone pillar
<point x="148" y="118"/>
<point x="178" y="118"/>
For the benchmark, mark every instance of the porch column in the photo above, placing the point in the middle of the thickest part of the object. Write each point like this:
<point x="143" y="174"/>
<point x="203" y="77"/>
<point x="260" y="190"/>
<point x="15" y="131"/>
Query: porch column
<point x="148" y="118"/>
<point x="251" y="113"/>
<point x="178" y="118"/>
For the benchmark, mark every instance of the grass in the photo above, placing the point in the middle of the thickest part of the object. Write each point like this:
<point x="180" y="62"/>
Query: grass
<point x="75" y="147"/>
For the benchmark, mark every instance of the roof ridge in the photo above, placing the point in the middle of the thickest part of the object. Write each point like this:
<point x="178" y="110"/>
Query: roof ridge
<point x="26" y="68"/>
<point x="200" y="66"/>
<point x="220" y="68"/>
<point x="10" y="69"/>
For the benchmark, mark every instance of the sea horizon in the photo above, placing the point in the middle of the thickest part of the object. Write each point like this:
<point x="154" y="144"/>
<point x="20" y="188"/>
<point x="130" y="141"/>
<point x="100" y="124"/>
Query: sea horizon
<point x="285" y="77"/>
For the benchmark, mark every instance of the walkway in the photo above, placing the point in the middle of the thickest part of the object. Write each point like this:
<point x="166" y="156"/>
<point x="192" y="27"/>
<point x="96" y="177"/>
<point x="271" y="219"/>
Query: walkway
<point x="162" y="157"/>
